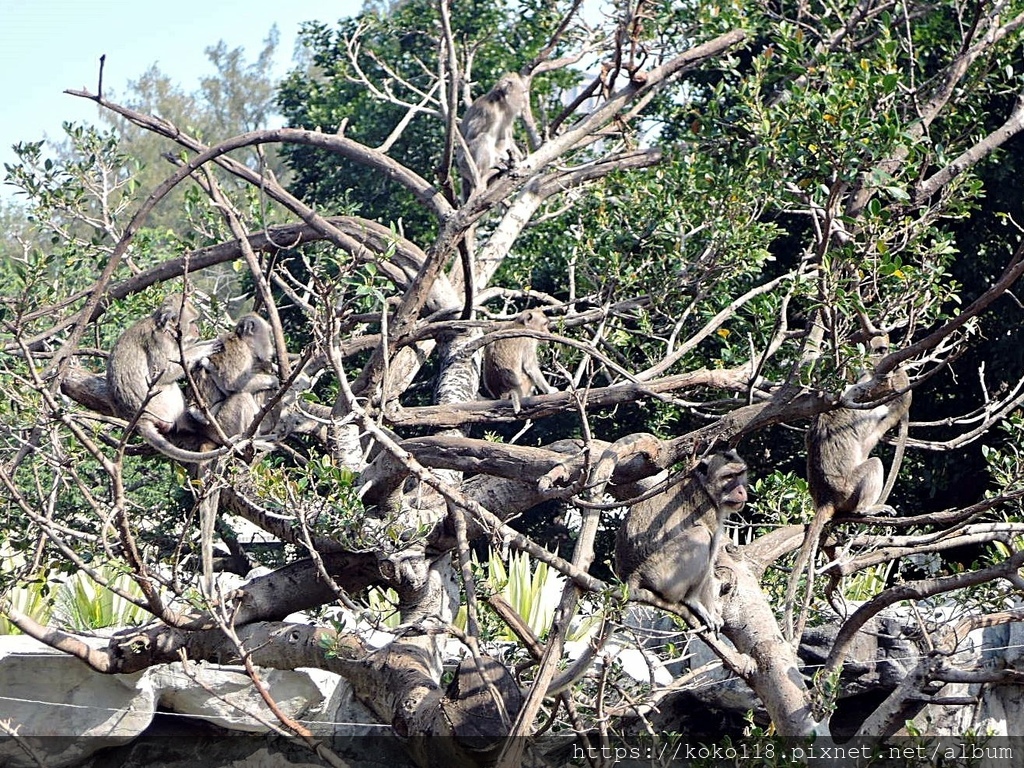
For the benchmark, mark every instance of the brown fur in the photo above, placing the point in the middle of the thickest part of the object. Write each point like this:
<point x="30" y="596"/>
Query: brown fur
<point x="668" y="544"/>
<point x="144" y="367"/>
<point x="487" y="127"/>
<point x="842" y="475"/>
<point x="233" y="381"/>
<point x="511" y="368"/>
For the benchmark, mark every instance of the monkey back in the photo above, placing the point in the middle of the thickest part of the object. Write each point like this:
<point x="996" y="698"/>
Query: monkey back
<point x="651" y="523"/>
<point x="705" y="497"/>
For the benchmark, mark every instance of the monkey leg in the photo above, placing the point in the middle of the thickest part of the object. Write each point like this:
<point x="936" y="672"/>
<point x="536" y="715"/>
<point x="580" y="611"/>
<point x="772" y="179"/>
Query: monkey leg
<point x="682" y="573"/>
<point x="197" y="418"/>
<point x="537" y="379"/>
<point x="149" y="433"/>
<point x="879" y="510"/>
<point x="237" y="413"/>
<point x="866" y="485"/>
<point x="164" y="408"/>
<point x="703" y="601"/>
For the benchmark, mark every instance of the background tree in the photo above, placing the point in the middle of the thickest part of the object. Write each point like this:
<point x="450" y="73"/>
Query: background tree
<point x="113" y="161"/>
<point x="720" y="208"/>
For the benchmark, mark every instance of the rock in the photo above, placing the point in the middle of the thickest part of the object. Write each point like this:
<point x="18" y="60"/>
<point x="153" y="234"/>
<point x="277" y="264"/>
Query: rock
<point x="295" y="692"/>
<point x="61" y="708"/>
<point x="66" y="713"/>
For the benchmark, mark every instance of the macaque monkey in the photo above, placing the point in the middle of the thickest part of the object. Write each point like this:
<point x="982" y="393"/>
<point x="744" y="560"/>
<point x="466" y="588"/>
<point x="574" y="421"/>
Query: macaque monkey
<point x="487" y="128"/>
<point x="668" y="543"/>
<point x="511" y="369"/>
<point x="144" y="367"/>
<point x="843" y="476"/>
<point x="232" y="382"/>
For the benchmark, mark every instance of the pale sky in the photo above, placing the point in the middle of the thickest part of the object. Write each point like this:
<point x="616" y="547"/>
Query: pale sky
<point x="47" y="46"/>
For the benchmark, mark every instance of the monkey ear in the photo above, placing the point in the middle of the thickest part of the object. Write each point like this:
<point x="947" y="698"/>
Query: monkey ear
<point x="535" y="319"/>
<point x="879" y="344"/>
<point x="246" y="326"/>
<point x="165" y="316"/>
<point x="703" y="468"/>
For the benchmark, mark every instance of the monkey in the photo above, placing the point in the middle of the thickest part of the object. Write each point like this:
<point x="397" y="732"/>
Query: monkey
<point x="842" y="475"/>
<point x="143" y="369"/>
<point x="511" y="369"/>
<point x="487" y="132"/>
<point x="233" y="381"/>
<point x="669" y="543"/>
<point x="487" y="128"/>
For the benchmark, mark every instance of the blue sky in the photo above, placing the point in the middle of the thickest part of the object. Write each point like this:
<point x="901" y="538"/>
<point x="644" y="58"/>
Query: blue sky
<point x="47" y="46"/>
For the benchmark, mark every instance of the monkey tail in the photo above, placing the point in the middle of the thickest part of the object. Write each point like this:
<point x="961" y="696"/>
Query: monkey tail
<point x="149" y="433"/>
<point x="467" y="252"/>
<point x="209" y="506"/>
<point x="804" y="561"/>
<point x="897" y="459"/>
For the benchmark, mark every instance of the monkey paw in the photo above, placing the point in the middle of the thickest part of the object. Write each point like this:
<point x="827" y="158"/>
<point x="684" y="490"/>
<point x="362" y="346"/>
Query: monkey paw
<point x="879" y="510"/>
<point x="711" y="619"/>
<point x="197" y="415"/>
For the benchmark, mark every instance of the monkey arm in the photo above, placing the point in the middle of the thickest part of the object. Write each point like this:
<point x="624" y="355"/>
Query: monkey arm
<point x="170" y="373"/>
<point x="536" y="375"/>
<point x="173" y="370"/>
<point x="259" y="382"/>
<point x="195" y="353"/>
<point x="245" y="380"/>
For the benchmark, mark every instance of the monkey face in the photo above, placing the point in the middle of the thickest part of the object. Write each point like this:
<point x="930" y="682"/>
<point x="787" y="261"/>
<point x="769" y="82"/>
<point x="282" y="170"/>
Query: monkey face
<point x="189" y="331"/>
<point x="177" y="317"/>
<point x="535" y="320"/>
<point x="724" y="476"/>
<point x="255" y="332"/>
<point x="735" y="497"/>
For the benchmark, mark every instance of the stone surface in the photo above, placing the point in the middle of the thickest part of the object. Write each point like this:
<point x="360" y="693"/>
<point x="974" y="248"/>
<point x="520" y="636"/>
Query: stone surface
<point x="48" y="697"/>
<point x="69" y="715"/>
<point x="295" y="692"/>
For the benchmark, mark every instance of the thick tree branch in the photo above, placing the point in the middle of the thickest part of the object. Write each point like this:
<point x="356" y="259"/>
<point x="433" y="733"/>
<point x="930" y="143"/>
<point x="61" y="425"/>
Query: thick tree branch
<point x="972" y="156"/>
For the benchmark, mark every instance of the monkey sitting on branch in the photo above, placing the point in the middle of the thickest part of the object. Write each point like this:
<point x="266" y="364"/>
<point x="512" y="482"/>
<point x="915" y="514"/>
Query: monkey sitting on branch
<point x="143" y="369"/>
<point x="668" y="543"/>
<point x="843" y="476"/>
<point x="487" y="128"/>
<point x="234" y="381"/>
<point x="511" y="368"/>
